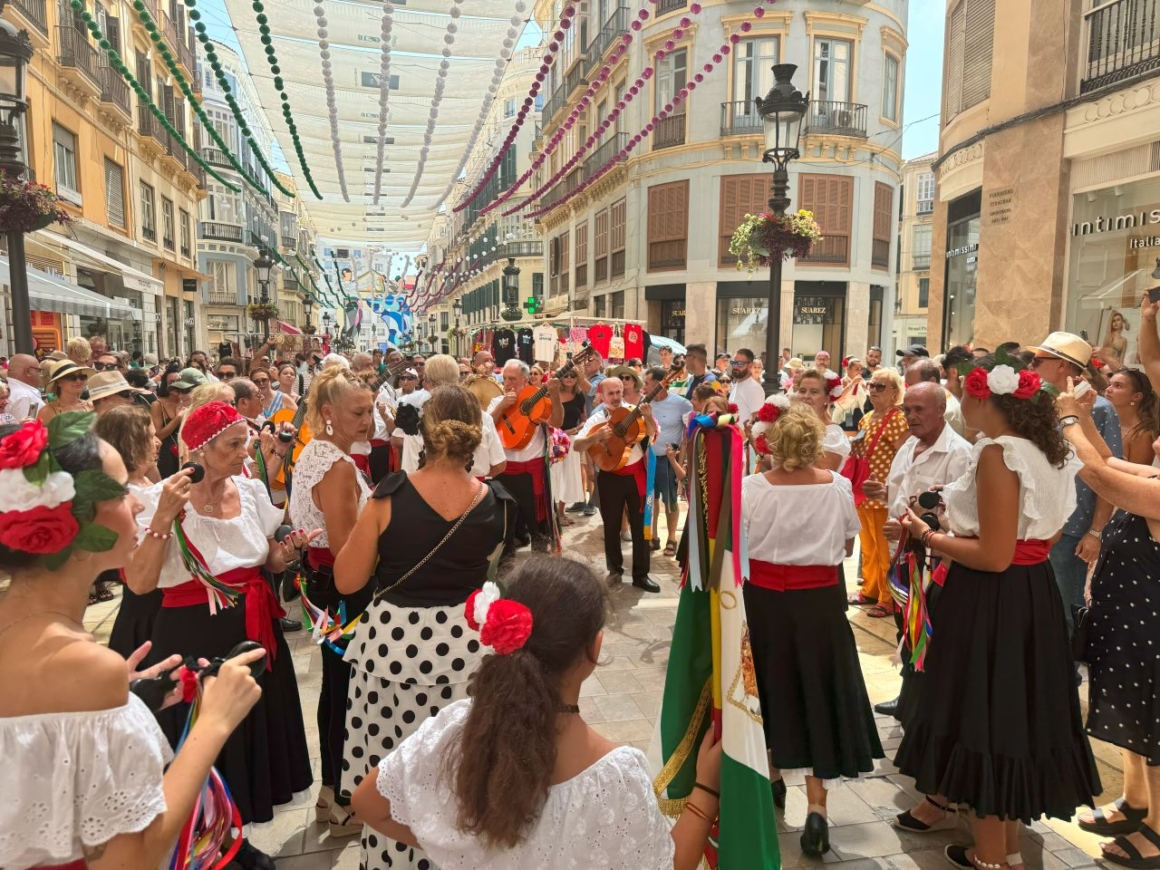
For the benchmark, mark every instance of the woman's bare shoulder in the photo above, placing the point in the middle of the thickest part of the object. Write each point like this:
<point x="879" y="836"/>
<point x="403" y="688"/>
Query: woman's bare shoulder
<point x="63" y="671"/>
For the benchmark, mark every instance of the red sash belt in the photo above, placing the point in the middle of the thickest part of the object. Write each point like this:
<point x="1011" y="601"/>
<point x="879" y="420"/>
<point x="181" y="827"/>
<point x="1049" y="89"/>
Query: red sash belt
<point x="534" y="467"/>
<point x="362" y="462"/>
<point x="1029" y="552"/>
<point x="320" y="557"/>
<point x="786" y="578"/>
<point x="262" y="608"/>
<point x="639" y="470"/>
<point x="379" y="442"/>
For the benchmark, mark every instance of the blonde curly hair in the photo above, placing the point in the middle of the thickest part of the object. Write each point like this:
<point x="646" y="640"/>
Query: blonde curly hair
<point x="795" y="439"/>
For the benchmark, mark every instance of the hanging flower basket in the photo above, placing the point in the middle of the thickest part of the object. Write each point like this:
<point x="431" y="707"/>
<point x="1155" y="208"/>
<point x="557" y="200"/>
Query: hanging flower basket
<point x="761" y="237"/>
<point x="310" y="329"/>
<point x="262" y="311"/>
<point x="26" y="206"/>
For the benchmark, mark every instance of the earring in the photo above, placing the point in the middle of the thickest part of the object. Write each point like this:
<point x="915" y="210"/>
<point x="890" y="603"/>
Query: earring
<point x="329" y="428"/>
<point x="470" y="463"/>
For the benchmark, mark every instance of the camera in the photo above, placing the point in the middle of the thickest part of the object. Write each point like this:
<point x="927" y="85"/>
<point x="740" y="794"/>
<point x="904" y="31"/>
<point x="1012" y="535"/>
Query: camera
<point x="929" y="501"/>
<point x="676" y="447"/>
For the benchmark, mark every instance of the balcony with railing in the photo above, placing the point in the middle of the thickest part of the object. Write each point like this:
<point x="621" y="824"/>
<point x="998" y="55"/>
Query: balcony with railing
<point x="616" y="26"/>
<point x="920" y="262"/>
<point x="147" y="124"/>
<point x="836" y="119"/>
<point x="664" y="6"/>
<point x="604" y="153"/>
<point x="215" y="157"/>
<point x="77" y="53"/>
<point x="35" y="12"/>
<point x="831" y="250"/>
<point x="563" y="187"/>
<point x="222" y="297"/>
<point x="115" y="91"/>
<point x="221" y="232"/>
<point x="1123" y="42"/>
<point x="669" y="132"/>
<point x="880" y="254"/>
<point x="740" y="118"/>
<point x="925" y="206"/>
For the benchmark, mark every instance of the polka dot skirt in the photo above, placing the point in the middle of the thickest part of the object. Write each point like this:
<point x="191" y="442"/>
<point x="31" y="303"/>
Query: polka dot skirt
<point x="409" y="663"/>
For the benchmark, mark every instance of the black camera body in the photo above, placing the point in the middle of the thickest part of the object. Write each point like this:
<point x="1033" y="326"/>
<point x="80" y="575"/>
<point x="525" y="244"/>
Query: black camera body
<point x="929" y="501"/>
<point x="285" y="437"/>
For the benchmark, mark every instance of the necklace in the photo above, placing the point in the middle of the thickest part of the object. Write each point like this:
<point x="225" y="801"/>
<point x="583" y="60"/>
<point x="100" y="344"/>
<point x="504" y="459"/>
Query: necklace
<point x="570" y="708"/>
<point x="40" y="613"/>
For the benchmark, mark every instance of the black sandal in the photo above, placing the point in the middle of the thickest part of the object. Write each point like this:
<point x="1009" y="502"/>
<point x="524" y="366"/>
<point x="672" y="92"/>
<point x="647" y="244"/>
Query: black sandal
<point x="1134" y="860"/>
<point x="907" y="822"/>
<point x="815" y="840"/>
<point x="1130" y="822"/>
<point x="779" y="793"/>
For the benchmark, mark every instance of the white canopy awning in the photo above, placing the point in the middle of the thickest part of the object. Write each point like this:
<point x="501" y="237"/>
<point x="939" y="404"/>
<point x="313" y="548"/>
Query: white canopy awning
<point x="134" y="279"/>
<point x="50" y="293"/>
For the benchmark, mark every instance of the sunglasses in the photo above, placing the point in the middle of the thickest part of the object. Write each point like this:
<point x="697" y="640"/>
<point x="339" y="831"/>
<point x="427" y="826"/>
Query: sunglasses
<point x="739" y="363"/>
<point x="74" y="377"/>
<point x="105" y="367"/>
<point x="260" y="382"/>
<point x="407" y="378"/>
<point x="225" y="376"/>
<point x="877" y="387"/>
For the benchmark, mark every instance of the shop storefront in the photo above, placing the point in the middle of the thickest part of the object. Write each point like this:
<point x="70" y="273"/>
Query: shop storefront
<point x="962" y="268"/>
<point x="1114" y="247"/>
<point x="742" y="315"/>
<point x="819" y="318"/>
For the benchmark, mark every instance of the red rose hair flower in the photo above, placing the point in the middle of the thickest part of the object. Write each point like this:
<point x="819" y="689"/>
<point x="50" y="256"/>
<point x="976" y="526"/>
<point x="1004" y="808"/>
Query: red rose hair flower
<point x="24" y="446"/>
<point x="508" y="626"/>
<point x="975" y="384"/>
<point x="41" y="530"/>
<point x="1029" y="384"/>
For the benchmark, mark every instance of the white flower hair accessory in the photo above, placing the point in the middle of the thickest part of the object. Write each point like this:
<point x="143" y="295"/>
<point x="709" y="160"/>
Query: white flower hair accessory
<point x="766" y="416"/>
<point x="1003" y="380"/>
<point x="503" y="624"/>
<point x="18" y="494"/>
<point x="487" y="596"/>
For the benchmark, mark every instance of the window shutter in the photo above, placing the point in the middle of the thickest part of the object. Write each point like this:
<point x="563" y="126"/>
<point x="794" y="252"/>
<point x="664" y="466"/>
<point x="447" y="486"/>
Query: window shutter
<point x="956" y="38"/>
<point x="978" y="47"/>
<point x="114" y="194"/>
<point x="564" y="239"/>
<point x="113" y="32"/>
<point x="883" y="200"/>
<point x="167" y="105"/>
<point x="145" y="74"/>
<point x="668" y="223"/>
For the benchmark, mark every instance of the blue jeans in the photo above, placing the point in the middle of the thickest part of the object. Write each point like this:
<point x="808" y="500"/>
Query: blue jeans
<point x="1070" y="574"/>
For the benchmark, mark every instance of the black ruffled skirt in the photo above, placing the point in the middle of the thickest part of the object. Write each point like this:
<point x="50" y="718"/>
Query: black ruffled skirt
<point x="996" y="722"/>
<point x="816" y="713"/>
<point x="134" y="623"/>
<point x="266" y="760"/>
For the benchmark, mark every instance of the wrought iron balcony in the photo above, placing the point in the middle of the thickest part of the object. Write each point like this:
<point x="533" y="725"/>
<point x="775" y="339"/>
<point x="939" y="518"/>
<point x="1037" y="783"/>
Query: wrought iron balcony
<point x="76" y="52"/>
<point x="836" y="119"/>
<point x="831" y="250"/>
<point x="615" y="27"/>
<point x="222" y="232"/>
<point x="740" y="118"/>
<point x="114" y="90"/>
<point x="604" y="153"/>
<point x="35" y="12"/>
<point x="215" y="157"/>
<point x="664" y="6"/>
<point x="147" y="124"/>
<point x="920" y="262"/>
<point x="669" y="132"/>
<point x="1123" y="42"/>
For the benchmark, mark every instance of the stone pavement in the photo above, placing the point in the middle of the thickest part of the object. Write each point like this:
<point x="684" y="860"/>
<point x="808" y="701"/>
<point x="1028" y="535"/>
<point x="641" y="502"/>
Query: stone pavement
<point x="622" y="700"/>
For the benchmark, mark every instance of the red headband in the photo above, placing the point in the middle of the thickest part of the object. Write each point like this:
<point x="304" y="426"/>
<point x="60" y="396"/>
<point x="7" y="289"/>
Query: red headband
<point x="208" y="422"/>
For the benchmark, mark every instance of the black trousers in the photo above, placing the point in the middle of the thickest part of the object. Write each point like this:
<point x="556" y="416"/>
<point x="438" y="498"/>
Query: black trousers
<point x="615" y="493"/>
<point x="521" y="488"/>
<point x="380" y="462"/>
<point x="332" y="718"/>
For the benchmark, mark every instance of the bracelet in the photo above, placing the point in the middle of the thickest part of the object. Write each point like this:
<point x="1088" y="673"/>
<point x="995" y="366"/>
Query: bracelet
<point x="160" y="536"/>
<point x="698" y="812"/>
<point x="707" y="790"/>
<point x="1099" y="536"/>
<point x="926" y="536"/>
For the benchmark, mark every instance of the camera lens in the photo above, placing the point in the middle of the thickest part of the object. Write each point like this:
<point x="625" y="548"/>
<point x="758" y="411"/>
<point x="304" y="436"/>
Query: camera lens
<point x="929" y="500"/>
<point x="931" y="520"/>
<point x="285" y="437"/>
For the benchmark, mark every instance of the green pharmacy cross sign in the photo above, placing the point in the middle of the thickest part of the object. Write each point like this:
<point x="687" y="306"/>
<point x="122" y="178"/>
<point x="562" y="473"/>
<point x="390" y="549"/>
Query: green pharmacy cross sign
<point x="532" y="305"/>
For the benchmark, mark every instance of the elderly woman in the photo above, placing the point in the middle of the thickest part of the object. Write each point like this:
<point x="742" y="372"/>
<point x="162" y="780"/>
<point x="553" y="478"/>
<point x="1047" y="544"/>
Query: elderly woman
<point x="329" y="493"/>
<point x="5" y="395"/>
<point x="1122" y="656"/>
<point x="814" y="391"/>
<point x="214" y="597"/>
<point x="87" y="755"/>
<point x="880" y="434"/>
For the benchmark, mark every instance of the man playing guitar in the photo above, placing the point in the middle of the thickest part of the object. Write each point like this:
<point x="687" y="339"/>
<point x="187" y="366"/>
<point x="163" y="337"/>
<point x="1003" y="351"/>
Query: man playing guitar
<point x="526" y="474"/>
<point x="622" y="489"/>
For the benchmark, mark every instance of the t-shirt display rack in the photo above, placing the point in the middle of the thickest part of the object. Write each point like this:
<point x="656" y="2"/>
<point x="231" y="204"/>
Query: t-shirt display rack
<point x="631" y="333"/>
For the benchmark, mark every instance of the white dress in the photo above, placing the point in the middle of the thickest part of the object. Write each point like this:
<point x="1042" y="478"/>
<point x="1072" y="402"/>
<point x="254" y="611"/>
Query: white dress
<point x="76" y="780"/>
<point x="605" y="817"/>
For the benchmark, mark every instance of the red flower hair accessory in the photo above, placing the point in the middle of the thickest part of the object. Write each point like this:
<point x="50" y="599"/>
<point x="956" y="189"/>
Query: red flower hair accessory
<point x="207" y="423"/>
<point x="503" y="624"/>
<point x="1006" y="376"/>
<point x="767" y="414"/>
<point x="24" y="446"/>
<point x="975" y="384"/>
<point x="834" y="384"/>
<point x="40" y="530"/>
<point x="1029" y="384"/>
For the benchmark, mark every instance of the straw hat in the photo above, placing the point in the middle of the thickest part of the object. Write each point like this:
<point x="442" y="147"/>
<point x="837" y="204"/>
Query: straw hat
<point x="64" y="367"/>
<point x="1067" y="347"/>
<point x="795" y="364"/>
<point x="105" y="384"/>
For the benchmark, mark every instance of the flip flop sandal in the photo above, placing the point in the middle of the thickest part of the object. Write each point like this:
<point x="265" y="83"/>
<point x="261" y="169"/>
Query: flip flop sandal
<point x="671" y="548"/>
<point x="907" y="822"/>
<point x="105" y="595"/>
<point x="878" y="612"/>
<point x="859" y="598"/>
<point x="1134" y="860"/>
<point x="1101" y="824"/>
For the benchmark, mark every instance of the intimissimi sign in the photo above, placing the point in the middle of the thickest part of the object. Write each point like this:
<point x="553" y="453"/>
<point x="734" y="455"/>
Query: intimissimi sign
<point x="1119" y="222"/>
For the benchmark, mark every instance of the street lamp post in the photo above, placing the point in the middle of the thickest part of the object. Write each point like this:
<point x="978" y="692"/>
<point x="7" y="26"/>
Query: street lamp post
<point x="457" y="307"/>
<point x="15" y="52"/>
<point x="782" y="111"/>
<point x="326" y="326"/>
<point x="432" y="320"/>
<point x="511" y="291"/>
<point x="263" y="265"/>
<point x="307" y="303"/>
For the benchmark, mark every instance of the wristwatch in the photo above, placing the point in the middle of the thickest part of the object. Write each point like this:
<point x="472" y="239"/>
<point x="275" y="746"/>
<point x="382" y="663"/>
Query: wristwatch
<point x="1069" y="420"/>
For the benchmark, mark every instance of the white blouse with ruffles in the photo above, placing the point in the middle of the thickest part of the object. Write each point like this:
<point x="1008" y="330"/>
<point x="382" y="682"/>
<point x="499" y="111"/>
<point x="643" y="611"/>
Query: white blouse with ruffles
<point x="78" y="780"/>
<point x="239" y="542"/>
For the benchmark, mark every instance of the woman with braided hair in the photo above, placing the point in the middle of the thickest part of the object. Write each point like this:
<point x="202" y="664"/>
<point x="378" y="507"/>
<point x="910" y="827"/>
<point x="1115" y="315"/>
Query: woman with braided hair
<point x="434" y="534"/>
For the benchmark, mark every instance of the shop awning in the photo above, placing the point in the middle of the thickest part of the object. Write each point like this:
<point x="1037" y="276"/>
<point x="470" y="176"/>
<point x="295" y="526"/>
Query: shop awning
<point x="49" y="293"/>
<point x="133" y="279"/>
<point x="288" y="329"/>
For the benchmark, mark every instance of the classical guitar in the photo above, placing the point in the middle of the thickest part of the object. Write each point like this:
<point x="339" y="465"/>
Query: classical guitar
<point x="517" y="424"/>
<point x="627" y="427"/>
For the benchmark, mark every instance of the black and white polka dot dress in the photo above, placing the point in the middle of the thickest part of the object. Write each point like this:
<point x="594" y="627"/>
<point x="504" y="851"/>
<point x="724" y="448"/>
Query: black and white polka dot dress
<point x="1124" y="639"/>
<point x="413" y="652"/>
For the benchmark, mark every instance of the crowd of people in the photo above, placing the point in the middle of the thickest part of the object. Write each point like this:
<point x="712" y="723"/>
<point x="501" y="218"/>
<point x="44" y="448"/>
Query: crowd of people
<point x="1003" y="503"/>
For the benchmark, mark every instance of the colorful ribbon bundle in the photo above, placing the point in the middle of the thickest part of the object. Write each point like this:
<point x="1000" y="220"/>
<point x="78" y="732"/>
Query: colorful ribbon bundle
<point x="201" y="845"/>
<point x="908" y="588"/>
<point x="324" y="628"/>
<point x="221" y="595"/>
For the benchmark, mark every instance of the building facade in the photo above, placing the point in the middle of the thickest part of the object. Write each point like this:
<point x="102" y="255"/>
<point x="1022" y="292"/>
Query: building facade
<point x="1048" y="201"/>
<point x="649" y="241"/>
<point x="915" y="220"/>
<point x="125" y="271"/>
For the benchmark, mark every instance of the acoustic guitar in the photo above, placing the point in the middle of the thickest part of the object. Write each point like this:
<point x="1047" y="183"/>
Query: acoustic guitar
<point x="627" y="428"/>
<point x="517" y="425"/>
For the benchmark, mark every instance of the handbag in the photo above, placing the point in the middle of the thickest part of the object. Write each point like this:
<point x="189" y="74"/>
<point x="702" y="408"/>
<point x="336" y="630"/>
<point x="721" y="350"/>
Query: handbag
<point x="1081" y="633"/>
<point x="857" y="468"/>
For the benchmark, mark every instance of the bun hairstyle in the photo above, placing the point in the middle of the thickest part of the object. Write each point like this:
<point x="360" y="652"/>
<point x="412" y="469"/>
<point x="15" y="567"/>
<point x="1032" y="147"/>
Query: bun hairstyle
<point x="501" y="769"/>
<point x="126" y="428"/>
<point x="795" y="439"/>
<point x="451" y="424"/>
<point x="329" y="387"/>
<point x="1148" y="409"/>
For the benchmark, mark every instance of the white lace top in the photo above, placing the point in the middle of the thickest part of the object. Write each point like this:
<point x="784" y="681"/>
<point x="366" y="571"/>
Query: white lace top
<point x="606" y="816"/>
<point x="836" y="441"/>
<point x="316" y="459"/>
<point x="239" y="542"/>
<point x="78" y="780"/>
<point x="1046" y="493"/>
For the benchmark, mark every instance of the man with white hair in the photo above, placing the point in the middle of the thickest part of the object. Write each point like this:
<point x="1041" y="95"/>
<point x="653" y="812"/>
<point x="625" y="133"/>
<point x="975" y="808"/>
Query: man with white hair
<point x="526" y="475"/>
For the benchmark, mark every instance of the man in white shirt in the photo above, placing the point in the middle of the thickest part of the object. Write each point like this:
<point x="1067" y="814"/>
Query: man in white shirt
<point x="526" y="475"/>
<point x="24" y="399"/>
<point x="927" y="370"/>
<point x="745" y="392"/>
<point x="668" y="410"/>
<point x="623" y="490"/>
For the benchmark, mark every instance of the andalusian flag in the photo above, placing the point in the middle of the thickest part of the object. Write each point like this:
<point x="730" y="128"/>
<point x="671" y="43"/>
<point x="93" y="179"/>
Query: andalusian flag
<point x="710" y="679"/>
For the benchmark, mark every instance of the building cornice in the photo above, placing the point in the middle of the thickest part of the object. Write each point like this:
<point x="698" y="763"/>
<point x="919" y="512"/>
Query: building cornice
<point x="839" y="21"/>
